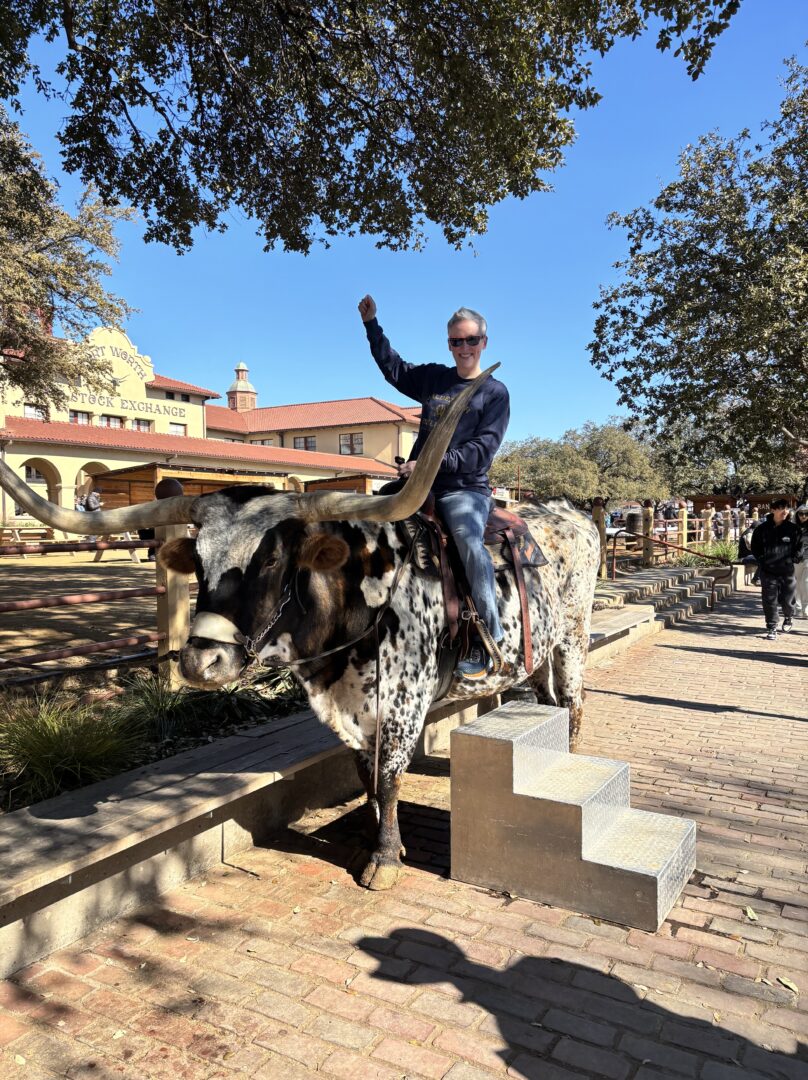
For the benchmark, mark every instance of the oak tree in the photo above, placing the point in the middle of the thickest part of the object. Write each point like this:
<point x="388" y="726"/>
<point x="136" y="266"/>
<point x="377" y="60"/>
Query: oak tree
<point x="597" y="459"/>
<point x="52" y="265"/>
<point x="706" y="329"/>
<point x="326" y="118"/>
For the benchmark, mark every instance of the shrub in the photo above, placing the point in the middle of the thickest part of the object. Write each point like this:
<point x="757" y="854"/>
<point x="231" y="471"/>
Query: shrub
<point x="50" y="743"/>
<point x="724" y="549"/>
<point x="149" y="704"/>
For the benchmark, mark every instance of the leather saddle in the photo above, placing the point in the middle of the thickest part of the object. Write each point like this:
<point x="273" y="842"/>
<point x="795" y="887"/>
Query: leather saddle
<point x="511" y="547"/>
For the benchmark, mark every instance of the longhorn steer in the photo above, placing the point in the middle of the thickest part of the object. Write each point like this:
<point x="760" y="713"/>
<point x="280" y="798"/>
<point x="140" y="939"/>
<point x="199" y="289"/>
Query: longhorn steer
<point x="280" y="578"/>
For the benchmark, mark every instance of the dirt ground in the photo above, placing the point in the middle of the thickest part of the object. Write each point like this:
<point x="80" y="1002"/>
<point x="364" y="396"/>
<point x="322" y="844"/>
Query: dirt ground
<point x="41" y="629"/>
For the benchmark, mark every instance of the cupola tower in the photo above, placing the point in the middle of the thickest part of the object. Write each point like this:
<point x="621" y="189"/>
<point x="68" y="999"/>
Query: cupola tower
<point x="242" y="395"/>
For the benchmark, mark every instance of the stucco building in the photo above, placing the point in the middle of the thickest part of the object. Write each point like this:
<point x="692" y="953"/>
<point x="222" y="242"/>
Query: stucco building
<point x="153" y="419"/>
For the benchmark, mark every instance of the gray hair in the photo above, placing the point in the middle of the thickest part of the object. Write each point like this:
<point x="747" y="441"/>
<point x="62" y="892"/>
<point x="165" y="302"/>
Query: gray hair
<point x="463" y="314"/>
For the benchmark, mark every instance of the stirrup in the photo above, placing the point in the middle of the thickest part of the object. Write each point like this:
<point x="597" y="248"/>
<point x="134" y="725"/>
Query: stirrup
<point x="484" y="634"/>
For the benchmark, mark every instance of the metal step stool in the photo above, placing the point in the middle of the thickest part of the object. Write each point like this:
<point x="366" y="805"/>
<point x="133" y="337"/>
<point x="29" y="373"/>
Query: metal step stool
<point x="534" y="820"/>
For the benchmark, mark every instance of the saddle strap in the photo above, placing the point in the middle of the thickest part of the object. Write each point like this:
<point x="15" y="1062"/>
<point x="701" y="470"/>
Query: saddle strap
<point x="451" y="600"/>
<point x="527" y="632"/>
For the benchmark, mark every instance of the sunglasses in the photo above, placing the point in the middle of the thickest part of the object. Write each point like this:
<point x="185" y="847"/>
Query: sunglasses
<point x="456" y="342"/>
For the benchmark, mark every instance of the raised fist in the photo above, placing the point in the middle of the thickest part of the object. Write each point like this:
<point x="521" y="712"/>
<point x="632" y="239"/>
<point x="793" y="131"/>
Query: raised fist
<point x="367" y="308"/>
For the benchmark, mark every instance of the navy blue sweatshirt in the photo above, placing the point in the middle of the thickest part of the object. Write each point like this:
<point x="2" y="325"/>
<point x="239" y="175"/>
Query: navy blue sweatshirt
<point x="482" y="426"/>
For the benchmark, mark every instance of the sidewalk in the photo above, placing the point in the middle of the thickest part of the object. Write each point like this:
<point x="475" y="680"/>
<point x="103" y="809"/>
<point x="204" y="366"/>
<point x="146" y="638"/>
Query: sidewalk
<point x="280" y="966"/>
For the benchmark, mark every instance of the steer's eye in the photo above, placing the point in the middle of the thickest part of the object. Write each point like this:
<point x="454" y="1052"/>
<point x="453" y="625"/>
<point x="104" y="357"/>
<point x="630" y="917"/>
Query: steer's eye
<point x="271" y="562"/>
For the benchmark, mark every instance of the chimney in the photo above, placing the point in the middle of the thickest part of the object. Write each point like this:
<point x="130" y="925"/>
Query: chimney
<point x="242" y="395"/>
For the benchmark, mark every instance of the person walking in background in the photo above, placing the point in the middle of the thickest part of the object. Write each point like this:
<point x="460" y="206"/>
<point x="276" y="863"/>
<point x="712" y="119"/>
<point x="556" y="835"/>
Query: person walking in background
<point x="801" y="568"/>
<point x="93" y="502"/>
<point x="777" y="544"/>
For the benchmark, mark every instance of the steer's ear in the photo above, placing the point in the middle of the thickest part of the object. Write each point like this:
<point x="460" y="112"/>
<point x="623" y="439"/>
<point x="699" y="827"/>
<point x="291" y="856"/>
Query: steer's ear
<point x="178" y="555"/>
<point x="323" y="552"/>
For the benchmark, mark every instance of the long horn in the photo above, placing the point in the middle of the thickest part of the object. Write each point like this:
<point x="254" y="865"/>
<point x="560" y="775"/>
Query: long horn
<point x="174" y="511"/>
<point x="338" y="505"/>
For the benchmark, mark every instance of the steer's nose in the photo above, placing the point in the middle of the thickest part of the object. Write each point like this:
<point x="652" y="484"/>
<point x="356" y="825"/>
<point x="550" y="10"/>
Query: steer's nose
<point x="210" y="663"/>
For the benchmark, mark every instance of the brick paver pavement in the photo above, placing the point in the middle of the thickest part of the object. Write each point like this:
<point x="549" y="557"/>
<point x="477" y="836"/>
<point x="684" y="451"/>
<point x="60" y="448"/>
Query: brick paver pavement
<point x="280" y="966"/>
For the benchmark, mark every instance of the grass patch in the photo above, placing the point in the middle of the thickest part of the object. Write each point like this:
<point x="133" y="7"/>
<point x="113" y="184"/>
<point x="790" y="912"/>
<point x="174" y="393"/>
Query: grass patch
<point x="170" y="715"/>
<point x="51" y="743"/>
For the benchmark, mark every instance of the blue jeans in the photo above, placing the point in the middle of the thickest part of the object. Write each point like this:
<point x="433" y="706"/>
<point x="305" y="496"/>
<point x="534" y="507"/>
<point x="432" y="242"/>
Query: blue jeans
<point x="464" y="513"/>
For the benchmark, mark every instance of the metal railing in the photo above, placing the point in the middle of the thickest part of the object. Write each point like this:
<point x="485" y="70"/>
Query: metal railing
<point x="172" y="615"/>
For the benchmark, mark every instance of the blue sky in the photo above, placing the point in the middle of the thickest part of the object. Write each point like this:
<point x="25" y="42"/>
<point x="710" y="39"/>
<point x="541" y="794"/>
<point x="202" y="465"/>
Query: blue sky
<point x="292" y="319"/>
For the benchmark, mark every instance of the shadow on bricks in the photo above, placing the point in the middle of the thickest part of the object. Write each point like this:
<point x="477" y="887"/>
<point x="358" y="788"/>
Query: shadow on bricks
<point x="341" y="842"/>
<point x="550" y="1013"/>
<point x="696" y="706"/>
<point x="768" y="656"/>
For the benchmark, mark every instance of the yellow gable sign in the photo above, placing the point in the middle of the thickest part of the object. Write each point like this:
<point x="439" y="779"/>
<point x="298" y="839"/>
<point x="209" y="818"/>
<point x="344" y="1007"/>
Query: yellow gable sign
<point x="116" y="348"/>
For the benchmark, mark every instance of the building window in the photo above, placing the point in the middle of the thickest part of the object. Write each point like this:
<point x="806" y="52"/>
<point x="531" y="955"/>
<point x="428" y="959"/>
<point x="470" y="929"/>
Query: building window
<point x="185" y="397"/>
<point x="33" y="476"/>
<point x="305" y="442"/>
<point x="177" y="429"/>
<point x="170" y="395"/>
<point x="110" y="421"/>
<point x="141" y="425"/>
<point x="351" y="444"/>
<point x="33" y="412"/>
<point x="263" y="442"/>
<point x="77" y="417"/>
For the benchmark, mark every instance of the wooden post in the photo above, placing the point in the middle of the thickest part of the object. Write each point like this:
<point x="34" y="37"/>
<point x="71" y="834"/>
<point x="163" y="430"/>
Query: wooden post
<point x="173" y="608"/>
<point x="726" y="516"/>
<point x="599" y="518"/>
<point x="647" y="535"/>
<point x="681" y="528"/>
<point x="709" y="514"/>
<point x="756" y="514"/>
<point x="741" y="523"/>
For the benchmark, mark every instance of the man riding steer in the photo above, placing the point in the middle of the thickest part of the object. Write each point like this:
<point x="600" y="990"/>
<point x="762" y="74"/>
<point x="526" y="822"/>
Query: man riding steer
<point x="461" y="490"/>
<point x="325" y="581"/>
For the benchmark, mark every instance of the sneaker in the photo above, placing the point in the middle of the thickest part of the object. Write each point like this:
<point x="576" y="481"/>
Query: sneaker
<point x="477" y="664"/>
<point x="788" y="626"/>
<point x="772" y="634"/>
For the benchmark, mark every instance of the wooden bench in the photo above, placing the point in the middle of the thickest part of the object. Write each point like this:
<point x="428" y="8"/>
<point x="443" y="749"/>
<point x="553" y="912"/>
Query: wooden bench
<point x="25" y="534"/>
<point x="133" y="552"/>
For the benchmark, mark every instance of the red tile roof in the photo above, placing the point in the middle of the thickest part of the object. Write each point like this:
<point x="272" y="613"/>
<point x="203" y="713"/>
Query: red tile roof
<point x="219" y="418"/>
<point x="147" y="442"/>
<point x="163" y="382"/>
<point x="312" y="414"/>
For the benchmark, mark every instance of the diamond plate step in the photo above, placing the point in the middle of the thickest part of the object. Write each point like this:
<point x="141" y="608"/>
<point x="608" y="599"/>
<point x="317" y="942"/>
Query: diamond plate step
<point x="531" y="819"/>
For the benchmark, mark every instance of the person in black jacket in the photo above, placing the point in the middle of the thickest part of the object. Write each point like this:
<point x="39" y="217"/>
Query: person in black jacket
<point x="777" y="544"/>
<point x="461" y="488"/>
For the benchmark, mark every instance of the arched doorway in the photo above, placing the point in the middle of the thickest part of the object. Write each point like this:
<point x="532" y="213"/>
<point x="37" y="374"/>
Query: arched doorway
<point x="43" y="477"/>
<point x="87" y="476"/>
